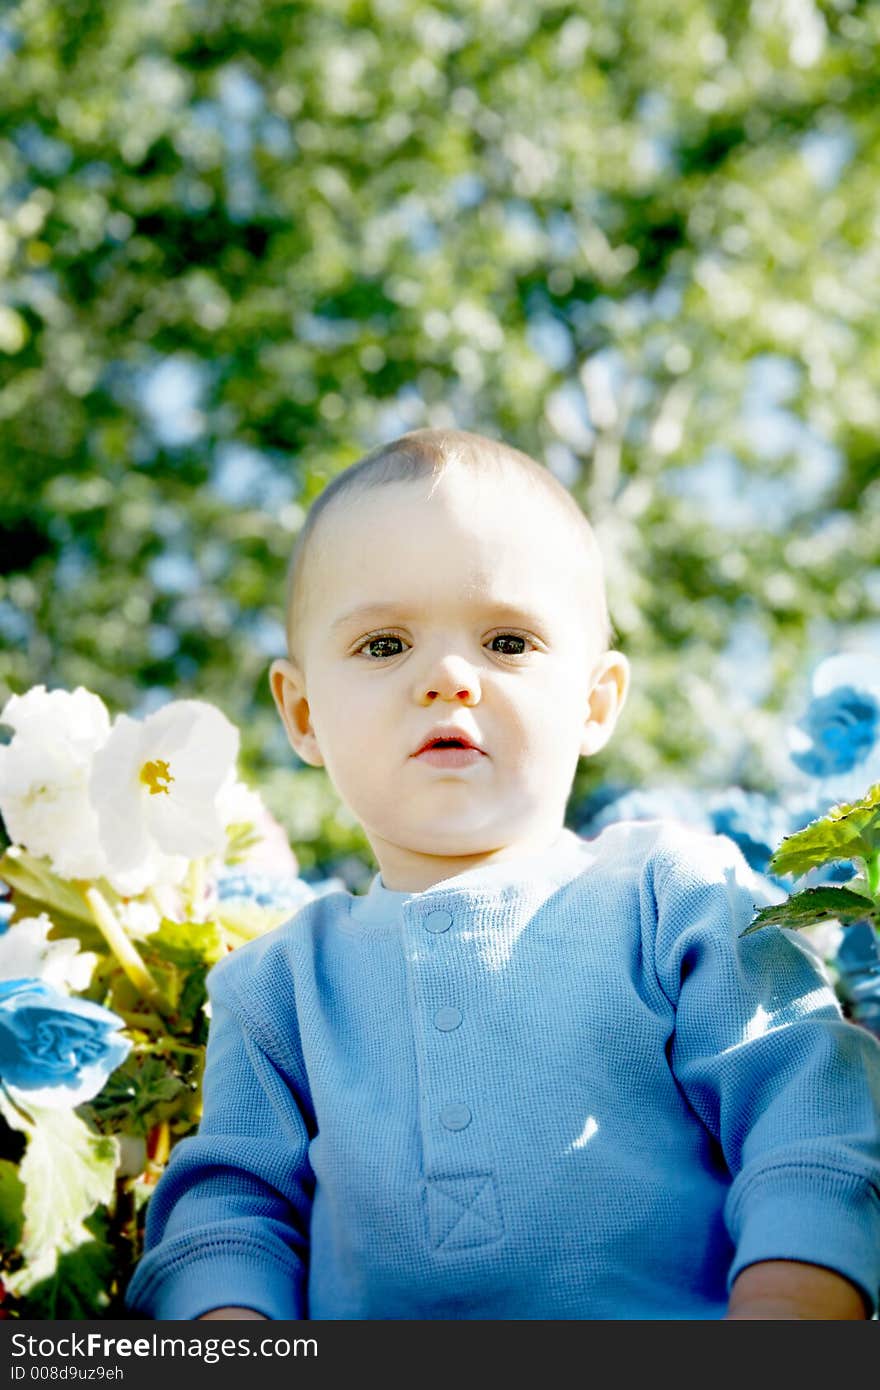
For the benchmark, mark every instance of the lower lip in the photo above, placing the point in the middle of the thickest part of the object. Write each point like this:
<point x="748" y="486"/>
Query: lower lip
<point x="450" y="757"/>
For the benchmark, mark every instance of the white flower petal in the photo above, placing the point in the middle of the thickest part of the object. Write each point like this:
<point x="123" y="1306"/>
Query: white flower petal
<point x="179" y="823"/>
<point x="44" y="776"/>
<point x="154" y="786"/>
<point x="27" y="953"/>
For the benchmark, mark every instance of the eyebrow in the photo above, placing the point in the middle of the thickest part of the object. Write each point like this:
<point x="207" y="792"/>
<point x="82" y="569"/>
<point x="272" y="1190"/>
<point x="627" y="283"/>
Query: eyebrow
<point x="505" y="612"/>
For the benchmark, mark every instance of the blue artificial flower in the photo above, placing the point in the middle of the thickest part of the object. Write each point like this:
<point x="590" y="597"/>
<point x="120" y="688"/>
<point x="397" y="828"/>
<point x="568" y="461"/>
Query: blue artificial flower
<point x="267" y="890"/>
<point x="753" y="821"/>
<point x="838" y="738"/>
<point x="56" y="1049"/>
<point x="843" y="727"/>
<point x="251" y="902"/>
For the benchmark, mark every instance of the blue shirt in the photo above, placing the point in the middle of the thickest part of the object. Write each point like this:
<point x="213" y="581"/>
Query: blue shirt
<point x="561" y="1086"/>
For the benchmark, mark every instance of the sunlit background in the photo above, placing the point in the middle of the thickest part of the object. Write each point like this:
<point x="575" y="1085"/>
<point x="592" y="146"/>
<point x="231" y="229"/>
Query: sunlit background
<point x="244" y="241"/>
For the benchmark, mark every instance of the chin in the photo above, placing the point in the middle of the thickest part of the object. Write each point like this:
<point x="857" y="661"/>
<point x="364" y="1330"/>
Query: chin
<point x="457" y="843"/>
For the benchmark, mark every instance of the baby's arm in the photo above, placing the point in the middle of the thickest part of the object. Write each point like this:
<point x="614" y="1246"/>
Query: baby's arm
<point x="788" y="1088"/>
<point x="230" y="1215"/>
<point x="786" y="1289"/>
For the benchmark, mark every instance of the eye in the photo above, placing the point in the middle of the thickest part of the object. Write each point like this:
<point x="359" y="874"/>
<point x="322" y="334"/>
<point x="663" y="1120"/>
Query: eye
<point x="511" y="644"/>
<point x="383" y="646"/>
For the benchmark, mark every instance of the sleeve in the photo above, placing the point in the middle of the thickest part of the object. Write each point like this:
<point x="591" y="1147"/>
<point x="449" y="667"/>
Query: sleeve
<point x="228" y="1222"/>
<point x="790" y="1090"/>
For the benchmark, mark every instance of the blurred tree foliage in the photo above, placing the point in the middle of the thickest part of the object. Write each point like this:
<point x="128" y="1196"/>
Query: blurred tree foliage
<point x="242" y="241"/>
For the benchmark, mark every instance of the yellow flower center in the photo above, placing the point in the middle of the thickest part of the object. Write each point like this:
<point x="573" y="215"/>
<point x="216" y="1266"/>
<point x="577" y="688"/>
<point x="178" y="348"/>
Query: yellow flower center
<point x="156" y="776"/>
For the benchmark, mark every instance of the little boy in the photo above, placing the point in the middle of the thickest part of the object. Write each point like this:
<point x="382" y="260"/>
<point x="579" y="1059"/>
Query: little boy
<point x="526" y="1076"/>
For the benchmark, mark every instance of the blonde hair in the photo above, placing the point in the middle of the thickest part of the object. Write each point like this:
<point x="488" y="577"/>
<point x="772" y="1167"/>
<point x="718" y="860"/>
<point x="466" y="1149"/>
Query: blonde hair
<point x="429" y="453"/>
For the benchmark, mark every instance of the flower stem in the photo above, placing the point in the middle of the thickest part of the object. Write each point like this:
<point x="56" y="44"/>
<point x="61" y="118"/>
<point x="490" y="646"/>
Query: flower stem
<point x="145" y="1023"/>
<point x="195" y="888"/>
<point x="167" y="1044"/>
<point x="872" y="873"/>
<point x="125" y="952"/>
<point x="159" y="1143"/>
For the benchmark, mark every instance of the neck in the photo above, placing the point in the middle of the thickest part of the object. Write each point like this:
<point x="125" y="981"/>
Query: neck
<point x="408" y="870"/>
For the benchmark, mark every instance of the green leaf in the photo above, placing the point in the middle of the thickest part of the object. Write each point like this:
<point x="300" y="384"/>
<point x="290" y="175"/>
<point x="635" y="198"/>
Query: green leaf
<point x="33" y="877"/>
<point x="78" y="1287"/>
<point x="36" y="888"/>
<point x="188" y="943"/>
<point x="11" y="1205"/>
<point x="67" y="1171"/>
<point x="844" y="832"/>
<point x="179" y="956"/>
<point x="814" y="905"/>
<point x="241" y="837"/>
<point x="138" y="1095"/>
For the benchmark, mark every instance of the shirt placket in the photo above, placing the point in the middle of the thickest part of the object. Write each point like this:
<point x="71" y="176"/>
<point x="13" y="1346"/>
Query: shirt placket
<point x="460" y="1186"/>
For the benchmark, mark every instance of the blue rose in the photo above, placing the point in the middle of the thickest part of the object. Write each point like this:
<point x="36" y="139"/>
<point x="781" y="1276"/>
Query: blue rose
<point x="55" y="1049"/>
<point x="266" y="890"/>
<point x="754" y="822"/>
<point x="843" y="727"/>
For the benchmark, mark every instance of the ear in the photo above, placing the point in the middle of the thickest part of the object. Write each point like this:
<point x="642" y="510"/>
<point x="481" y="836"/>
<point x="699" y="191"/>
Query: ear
<point x="289" y="693"/>
<point x="608" y="691"/>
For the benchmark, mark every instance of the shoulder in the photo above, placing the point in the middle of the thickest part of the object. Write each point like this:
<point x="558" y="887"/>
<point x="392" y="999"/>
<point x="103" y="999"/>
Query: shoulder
<point x="671" y="851"/>
<point x="683" y="873"/>
<point x="265" y="968"/>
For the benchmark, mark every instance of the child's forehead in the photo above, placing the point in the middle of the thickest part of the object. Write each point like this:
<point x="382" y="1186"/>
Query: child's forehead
<point x="470" y="538"/>
<point x="484" y="505"/>
<point x="435" y="551"/>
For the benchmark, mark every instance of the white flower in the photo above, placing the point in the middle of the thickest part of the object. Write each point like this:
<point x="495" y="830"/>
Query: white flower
<point x="139" y="919"/>
<point x="154" y="785"/>
<point x="238" y="805"/>
<point x="44" y="777"/>
<point x="27" y="953"/>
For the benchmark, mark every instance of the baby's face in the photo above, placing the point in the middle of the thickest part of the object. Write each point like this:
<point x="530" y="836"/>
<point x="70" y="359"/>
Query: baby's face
<point x="460" y="615"/>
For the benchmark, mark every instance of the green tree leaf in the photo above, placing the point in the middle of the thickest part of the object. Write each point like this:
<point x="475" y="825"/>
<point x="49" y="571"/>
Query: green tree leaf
<point x="814" y="905"/>
<point x="845" y="832"/>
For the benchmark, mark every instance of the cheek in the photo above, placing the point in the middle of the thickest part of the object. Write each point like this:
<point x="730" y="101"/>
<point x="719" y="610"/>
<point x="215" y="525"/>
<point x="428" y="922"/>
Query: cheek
<point x="345" y="713"/>
<point x="552" y="717"/>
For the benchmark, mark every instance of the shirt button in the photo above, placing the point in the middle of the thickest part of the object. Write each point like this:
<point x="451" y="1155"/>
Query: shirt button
<point x="438" y="921"/>
<point x="447" y="1019"/>
<point x="455" y="1116"/>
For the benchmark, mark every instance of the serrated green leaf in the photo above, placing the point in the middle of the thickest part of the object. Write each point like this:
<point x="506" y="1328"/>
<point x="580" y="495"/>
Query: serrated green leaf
<point x="67" y="1171"/>
<point x="188" y="943"/>
<point x="845" y="832"/>
<point x="78" y="1286"/>
<point x="179" y="956"/>
<point x="814" y="905"/>
<point x="138" y="1095"/>
<point x="11" y="1205"/>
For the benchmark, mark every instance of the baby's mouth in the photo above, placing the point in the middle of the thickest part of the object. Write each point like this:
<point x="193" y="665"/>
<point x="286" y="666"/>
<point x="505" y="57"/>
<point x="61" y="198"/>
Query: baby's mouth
<point x="453" y="750"/>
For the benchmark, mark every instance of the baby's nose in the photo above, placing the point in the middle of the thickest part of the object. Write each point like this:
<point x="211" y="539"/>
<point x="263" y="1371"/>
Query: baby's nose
<point x="449" y="679"/>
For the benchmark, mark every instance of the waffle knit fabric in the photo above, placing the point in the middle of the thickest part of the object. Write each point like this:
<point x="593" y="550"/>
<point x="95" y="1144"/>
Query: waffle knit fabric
<point x="557" y="1087"/>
